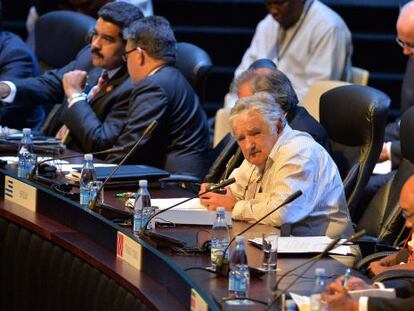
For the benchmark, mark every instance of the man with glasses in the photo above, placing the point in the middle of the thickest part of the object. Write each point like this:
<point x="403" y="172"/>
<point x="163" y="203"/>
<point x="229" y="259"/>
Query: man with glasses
<point x="336" y="295"/>
<point x="161" y="93"/>
<point x="305" y="39"/>
<point x="94" y="88"/>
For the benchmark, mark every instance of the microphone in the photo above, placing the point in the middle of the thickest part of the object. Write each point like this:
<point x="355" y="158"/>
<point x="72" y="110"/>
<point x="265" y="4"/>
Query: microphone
<point x="147" y="133"/>
<point x="38" y="164"/>
<point x="312" y="261"/>
<point x="167" y="240"/>
<point x="222" y="263"/>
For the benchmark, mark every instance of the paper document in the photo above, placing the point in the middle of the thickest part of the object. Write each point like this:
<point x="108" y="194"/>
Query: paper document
<point x="303" y="302"/>
<point x="12" y="159"/>
<point x="382" y="168"/>
<point x="308" y="244"/>
<point x="193" y="204"/>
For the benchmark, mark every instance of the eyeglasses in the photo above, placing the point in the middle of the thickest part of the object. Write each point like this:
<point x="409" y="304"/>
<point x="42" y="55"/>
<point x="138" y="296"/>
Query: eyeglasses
<point x="125" y="55"/>
<point x="405" y="45"/>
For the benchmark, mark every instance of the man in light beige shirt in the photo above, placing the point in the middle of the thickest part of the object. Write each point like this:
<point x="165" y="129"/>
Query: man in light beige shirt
<point x="280" y="161"/>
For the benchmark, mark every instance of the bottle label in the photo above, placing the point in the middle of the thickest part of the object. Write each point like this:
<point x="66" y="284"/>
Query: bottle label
<point x="237" y="283"/>
<point x="84" y="197"/>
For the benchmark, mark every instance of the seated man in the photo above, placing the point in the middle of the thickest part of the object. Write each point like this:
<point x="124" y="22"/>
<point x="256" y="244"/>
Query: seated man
<point x="306" y="40"/>
<point x="92" y="113"/>
<point x="180" y="142"/>
<point x="17" y="61"/>
<point x="280" y="161"/>
<point x="337" y="296"/>
<point x="276" y="83"/>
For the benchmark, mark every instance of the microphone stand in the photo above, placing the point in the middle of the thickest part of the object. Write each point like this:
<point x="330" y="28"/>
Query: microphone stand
<point x="222" y="264"/>
<point x="145" y="233"/>
<point x="312" y="262"/>
<point x="148" y="131"/>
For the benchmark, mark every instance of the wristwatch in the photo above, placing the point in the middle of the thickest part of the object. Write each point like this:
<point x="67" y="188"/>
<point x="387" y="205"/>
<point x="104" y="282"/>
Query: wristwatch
<point x="74" y="97"/>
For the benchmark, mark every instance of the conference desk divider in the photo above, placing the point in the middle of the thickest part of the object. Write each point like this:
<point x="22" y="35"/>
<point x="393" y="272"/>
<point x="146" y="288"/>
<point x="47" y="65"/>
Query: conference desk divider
<point x="161" y="283"/>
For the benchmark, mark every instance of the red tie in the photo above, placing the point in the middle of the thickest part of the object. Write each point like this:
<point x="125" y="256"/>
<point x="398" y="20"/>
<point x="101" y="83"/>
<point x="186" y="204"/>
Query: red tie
<point x="102" y="79"/>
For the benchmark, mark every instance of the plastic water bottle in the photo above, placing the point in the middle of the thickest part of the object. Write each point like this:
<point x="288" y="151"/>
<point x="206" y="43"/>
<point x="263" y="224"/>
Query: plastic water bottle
<point x="239" y="276"/>
<point x="88" y="174"/>
<point x="316" y="303"/>
<point x="25" y="162"/>
<point x="142" y="207"/>
<point x="220" y="238"/>
<point x="290" y="305"/>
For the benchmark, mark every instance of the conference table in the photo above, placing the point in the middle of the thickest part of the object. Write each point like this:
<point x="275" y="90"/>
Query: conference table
<point x="164" y="279"/>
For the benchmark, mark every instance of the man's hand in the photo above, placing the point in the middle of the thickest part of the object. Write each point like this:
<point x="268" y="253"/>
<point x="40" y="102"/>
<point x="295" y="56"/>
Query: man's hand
<point x="338" y="299"/>
<point x="212" y="200"/>
<point x="386" y="263"/>
<point x="4" y="90"/>
<point x="354" y="283"/>
<point x="74" y="82"/>
<point x="384" y="154"/>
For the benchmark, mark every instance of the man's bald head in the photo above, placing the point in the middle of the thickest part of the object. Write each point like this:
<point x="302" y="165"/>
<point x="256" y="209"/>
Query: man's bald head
<point x="405" y="28"/>
<point x="407" y="201"/>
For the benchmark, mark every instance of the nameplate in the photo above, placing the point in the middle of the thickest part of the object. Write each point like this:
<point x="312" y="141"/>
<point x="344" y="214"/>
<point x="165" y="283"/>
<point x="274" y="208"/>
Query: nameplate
<point x="197" y="303"/>
<point x="20" y="193"/>
<point x="129" y="250"/>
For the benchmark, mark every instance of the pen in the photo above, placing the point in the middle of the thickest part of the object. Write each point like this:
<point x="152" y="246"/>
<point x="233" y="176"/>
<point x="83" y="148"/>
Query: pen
<point x="347" y="276"/>
<point x="125" y="195"/>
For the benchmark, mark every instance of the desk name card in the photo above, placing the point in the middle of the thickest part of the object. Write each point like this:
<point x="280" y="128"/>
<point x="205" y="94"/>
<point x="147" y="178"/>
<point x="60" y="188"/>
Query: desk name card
<point x="129" y="250"/>
<point x="197" y="303"/>
<point x="20" y="193"/>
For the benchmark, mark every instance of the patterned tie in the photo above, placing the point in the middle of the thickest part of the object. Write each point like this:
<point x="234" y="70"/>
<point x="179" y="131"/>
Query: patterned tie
<point x="63" y="132"/>
<point x="95" y="90"/>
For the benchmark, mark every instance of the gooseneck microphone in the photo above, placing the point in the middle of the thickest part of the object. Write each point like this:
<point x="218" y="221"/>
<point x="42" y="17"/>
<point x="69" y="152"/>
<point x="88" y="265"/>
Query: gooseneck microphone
<point x="311" y="261"/>
<point x="222" y="263"/>
<point x="147" y="133"/>
<point x="145" y="233"/>
<point x="38" y="164"/>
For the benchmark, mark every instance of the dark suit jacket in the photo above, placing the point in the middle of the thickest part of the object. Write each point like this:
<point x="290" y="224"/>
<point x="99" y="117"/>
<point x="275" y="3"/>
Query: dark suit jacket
<point x="396" y="304"/>
<point x="93" y="126"/>
<point x="180" y="142"/>
<point x="17" y="61"/>
<point x="300" y="119"/>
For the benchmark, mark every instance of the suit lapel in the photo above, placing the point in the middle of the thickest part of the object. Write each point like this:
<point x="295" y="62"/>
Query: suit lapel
<point x="109" y="86"/>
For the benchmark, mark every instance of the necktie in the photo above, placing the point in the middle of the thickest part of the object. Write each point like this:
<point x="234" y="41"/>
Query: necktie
<point x="102" y="80"/>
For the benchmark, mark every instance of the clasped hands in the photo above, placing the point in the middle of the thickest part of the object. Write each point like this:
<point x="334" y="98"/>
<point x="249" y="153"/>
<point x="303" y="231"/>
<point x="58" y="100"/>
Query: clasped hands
<point x="213" y="200"/>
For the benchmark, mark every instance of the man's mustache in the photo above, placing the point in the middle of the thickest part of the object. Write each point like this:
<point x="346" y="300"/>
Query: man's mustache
<point x="253" y="151"/>
<point x="96" y="52"/>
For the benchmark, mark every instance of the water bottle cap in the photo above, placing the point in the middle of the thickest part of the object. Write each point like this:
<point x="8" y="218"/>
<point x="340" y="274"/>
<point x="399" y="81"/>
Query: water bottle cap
<point x="220" y="209"/>
<point x="27" y="131"/>
<point x="143" y="183"/>
<point x="320" y="272"/>
<point x="239" y="239"/>
<point x="290" y="304"/>
<point x="88" y="157"/>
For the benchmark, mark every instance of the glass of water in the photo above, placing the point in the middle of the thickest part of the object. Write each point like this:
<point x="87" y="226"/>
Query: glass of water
<point x="269" y="247"/>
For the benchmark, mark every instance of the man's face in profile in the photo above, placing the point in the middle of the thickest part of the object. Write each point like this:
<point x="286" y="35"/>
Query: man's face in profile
<point x="285" y="12"/>
<point x="107" y="46"/>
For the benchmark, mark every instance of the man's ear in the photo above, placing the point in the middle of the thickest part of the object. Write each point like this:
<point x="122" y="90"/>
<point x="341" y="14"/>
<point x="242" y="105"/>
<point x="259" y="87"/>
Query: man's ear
<point x="279" y="126"/>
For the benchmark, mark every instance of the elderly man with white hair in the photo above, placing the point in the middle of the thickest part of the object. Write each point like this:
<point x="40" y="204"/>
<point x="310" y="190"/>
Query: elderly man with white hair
<point x="279" y="161"/>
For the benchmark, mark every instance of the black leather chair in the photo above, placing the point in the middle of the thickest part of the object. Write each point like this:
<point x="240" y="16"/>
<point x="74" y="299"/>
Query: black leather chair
<point x="354" y="117"/>
<point x="59" y="36"/>
<point x="382" y="218"/>
<point x="195" y="64"/>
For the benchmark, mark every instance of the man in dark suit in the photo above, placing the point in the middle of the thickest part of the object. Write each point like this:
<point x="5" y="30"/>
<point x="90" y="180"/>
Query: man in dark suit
<point x="95" y="88"/>
<point x="276" y="83"/>
<point x="337" y="296"/>
<point x="17" y="61"/>
<point x="180" y="142"/>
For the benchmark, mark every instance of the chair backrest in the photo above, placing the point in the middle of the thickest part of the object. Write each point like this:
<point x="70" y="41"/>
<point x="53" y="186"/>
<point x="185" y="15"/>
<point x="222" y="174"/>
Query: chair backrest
<point x="354" y="117"/>
<point x="382" y="218"/>
<point x="359" y="76"/>
<point x="194" y="63"/>
<point x="59" y="36"/>
<point x="312" y="97"/>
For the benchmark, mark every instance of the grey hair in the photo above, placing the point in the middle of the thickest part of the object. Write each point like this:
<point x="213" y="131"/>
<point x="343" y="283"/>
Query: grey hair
<point x="272" y="81"/>
<point x="262" y="103"/>
<point x="154" y="35"/>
